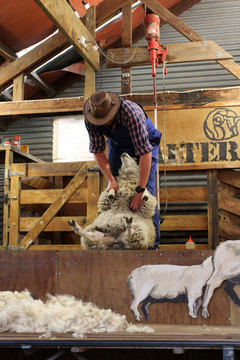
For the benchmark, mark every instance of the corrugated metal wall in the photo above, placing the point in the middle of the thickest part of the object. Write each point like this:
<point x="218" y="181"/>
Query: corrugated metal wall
<point x="36" y="132"/>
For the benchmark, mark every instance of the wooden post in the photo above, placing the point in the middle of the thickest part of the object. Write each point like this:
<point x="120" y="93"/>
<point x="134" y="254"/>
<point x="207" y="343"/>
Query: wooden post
<point x="14" y="212"/>
<point x="213" y="217"/>
<point x="90" y="23"/>
<point x="93" y="193"/>
<point x="126" y="80"/>
<point x="15" y="186"/>
<point x="6" y="194"/>
<point x="18" y="88"/>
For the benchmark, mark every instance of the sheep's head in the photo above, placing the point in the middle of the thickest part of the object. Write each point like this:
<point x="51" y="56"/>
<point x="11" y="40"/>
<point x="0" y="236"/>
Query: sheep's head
<point x="129" y="165"/>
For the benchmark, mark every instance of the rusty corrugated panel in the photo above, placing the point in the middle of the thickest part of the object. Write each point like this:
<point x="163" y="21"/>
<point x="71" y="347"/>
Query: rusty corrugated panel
<point x="23" y="24"/>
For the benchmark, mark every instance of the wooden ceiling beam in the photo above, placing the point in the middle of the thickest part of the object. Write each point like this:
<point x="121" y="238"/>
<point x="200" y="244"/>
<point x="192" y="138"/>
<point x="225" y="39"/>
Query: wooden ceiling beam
<point x="6" y="53"/>
<point x="90" y="77"/>
<point x="200" y="98"/>
<point x="47" y="106"/>
<point x="107" y="9"/>
<point x="32" y="59"/>
<point x="63" y="16"/>
<point x="126" y="78"/>
<point x="188" y="32"/>
<point x="177" y="53"/>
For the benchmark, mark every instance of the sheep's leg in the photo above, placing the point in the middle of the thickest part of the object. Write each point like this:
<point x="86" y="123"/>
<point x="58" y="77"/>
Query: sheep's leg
<point x="191" y="302"/>
<point x="194" y="301"/>
<point x="229" y="288"/>
<point x="196" y="305"/>
<point x="80" y="231"/>
<point x="214" y="282"/>
<point x="145" y="305"/>
<point x="77" y="228"/>
<point x="139" y="295"/>
<point x="134" y="309"/>
<point x="92" y="236"/>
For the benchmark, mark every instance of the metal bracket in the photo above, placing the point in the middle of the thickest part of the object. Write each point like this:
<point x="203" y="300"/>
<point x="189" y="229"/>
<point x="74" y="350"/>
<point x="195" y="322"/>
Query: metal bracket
<point x="93" y="169"/>
<point x="6" y="198"/>
<point x="13" y="173"/>
<point x="126" y="75"/>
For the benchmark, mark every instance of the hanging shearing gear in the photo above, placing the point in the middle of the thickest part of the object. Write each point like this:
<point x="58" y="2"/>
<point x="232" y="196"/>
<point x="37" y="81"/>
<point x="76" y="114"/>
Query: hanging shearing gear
<point x="158" y="54"/>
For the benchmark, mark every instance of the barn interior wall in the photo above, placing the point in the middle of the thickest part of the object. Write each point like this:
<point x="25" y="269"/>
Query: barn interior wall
<point x="204" y="17"/>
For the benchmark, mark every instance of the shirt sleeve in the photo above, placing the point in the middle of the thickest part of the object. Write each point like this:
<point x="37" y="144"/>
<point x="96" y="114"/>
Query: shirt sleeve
<point x="96" y="140"/>
<point x="133" y="117"/>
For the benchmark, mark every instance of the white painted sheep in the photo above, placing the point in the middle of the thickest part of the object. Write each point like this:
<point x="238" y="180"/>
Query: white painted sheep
<point x="226" y="265"/>
<point x="175" y="283"/>
<point x="19" y="312"/>
<point x="117" y="226"/>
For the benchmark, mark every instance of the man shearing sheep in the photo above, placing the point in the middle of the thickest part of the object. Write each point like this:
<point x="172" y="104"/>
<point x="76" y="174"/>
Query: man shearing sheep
<point x="128" y="129"/>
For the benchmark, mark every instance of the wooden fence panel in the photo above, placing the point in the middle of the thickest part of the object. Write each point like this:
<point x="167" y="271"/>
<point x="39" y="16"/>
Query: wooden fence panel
<point x="49" y="195"/>
<point x="229" y="204"/>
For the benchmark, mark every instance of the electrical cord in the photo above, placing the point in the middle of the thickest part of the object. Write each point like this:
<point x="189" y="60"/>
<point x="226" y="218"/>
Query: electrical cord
<point x="115" y="62"/>
<point x="161" y="217"/>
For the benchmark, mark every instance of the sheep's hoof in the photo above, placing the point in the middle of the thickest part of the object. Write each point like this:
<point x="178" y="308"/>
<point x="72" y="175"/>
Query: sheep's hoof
<point x="138" y="317"/>
<point x="193" y="315"/>
<point x="205" y="313"/>
<point x="111" y="194"/>
<point x="147" y="317"/>
<point x="71" y="222"/>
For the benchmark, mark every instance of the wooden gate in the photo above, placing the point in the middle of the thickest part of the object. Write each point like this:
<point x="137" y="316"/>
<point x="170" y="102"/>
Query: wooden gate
<point x="43" y="197"/>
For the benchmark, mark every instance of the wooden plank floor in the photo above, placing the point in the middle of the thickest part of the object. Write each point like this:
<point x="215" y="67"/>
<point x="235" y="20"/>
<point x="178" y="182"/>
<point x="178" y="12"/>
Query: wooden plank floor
<point x="164" y="336"/>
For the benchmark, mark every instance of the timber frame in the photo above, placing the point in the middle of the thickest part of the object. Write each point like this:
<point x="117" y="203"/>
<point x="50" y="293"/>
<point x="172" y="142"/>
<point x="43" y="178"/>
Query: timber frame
<point x="198" y="49"/>
<point x="70" y="27"/>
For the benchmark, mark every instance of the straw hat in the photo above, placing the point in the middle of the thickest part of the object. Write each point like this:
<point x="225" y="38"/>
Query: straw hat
<point x="101" y="107"/>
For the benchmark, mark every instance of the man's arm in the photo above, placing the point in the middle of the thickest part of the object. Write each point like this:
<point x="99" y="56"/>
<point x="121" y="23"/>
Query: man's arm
<point x="144" y="170"/>
<point x="104" y="166"/>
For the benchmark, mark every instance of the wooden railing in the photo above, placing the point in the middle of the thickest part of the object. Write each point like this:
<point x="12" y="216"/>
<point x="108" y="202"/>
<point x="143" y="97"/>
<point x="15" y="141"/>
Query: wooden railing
<point x="45" y="196"/>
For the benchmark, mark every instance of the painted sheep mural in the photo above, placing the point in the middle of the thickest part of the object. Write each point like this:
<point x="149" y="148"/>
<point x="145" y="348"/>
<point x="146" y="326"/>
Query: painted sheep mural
<point x="116" y="226"/>
<point x="174" y="283"/>
<point x="226" y="265"/>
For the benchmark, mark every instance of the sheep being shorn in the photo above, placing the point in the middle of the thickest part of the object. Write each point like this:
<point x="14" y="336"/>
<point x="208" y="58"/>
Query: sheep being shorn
<point x="19" y="312"/>
<point x="116" y="226"/>
<point x="226" y="265"/>
<point x="163" y="283"/>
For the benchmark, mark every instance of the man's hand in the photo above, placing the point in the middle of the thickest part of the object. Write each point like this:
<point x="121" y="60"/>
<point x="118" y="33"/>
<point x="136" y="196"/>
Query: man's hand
<point x="112" y="185"/>
<point x="137" y="202"/>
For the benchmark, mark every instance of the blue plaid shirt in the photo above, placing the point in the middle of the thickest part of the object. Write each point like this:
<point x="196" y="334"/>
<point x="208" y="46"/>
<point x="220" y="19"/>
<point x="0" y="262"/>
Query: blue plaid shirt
<point x="133" y="118"/>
